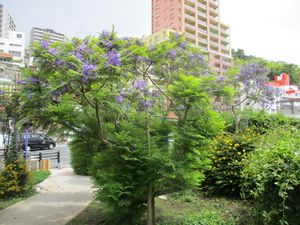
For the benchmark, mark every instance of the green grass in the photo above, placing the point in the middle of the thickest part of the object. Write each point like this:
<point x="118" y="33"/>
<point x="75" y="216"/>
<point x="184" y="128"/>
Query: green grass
<point x="38" y="176"/>
<point x="184" y="210"/>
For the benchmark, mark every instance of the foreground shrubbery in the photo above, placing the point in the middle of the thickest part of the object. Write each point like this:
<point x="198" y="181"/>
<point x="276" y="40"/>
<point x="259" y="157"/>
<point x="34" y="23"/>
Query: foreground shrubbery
<point x="272" y="175"/>
<point x="15" y="179"/>
<point x="227" y="162"/>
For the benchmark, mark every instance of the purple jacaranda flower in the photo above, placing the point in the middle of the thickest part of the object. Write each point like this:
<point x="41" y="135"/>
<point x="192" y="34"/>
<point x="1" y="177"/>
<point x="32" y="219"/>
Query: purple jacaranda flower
<point x="81" y="48"/>
<point x="146" y="103"/>
<point x="172" y="53"/>
<point x="177" y="35"/>
<point x="114" y="59"/>
<point x="127" y="105"/>
<point x="20" y="81"/>
<point x="191" y="56"/>
<point x="59" y="62"/>
<point x="183" y="44"/>
<point x="119" y="98"/>
<point x="88" y="68"/>
<point x="152" y="48"/>
<point x="45" y="44"/>
<point x="52" y="51"/>
<point x="105" y="33"/>
<point x="71" y="53"/>
<point x="127" y="52"/>
<point x="140" y="85"/>
<point x="208" y="90"/>
<point x="79" y="56"/>
<point x="2" y="92"/>
<point x="221" y="77"/>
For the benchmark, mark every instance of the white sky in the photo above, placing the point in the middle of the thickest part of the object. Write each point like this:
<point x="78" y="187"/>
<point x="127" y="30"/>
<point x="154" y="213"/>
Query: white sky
<point x="268" y="29"/>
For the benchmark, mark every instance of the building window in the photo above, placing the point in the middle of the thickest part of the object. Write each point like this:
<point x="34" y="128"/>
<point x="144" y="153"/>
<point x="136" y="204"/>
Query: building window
<point x="15" y="45"/>
<point x="157" y="23"/>
<point x="157" y="6"/>
<point x="172" y="16"/>
<point x="156" y="38"/>
<point x="15" y="53"/>
<point x="166" y="10"/>
<point x="1" y="43"/>
<point x="172" y="25"/>
<point x="166" y="18"/>
<point x="172" y="7"/>
<point x="19" y="35"/>
<point x="150" y="41"/>
<point x="157" y="14"/>
<point x="166" y="1"/>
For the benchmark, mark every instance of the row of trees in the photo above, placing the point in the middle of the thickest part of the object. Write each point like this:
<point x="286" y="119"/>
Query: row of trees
<point x="276" y="68"/>
<point x="117" y="94"/>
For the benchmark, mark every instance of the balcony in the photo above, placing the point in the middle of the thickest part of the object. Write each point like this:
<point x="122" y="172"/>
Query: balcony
<point x="190" y="26"/>
<point x="202" y="14"/>
<point x="202" y="31"/>
<point x="201" y="5"/>
<point x="202" y="40"/>
<point x="190" y="35"/>
<point x="202" y="22"/>
<point x="226" y="63"/>
<point x="224" y="46"/>
<point x="214" y="18"/>
<point x="214" y="43"/>
<point x="189" y="16"/>
<point x="190" y="8"/>
<point x="213" y="26"/>
<point x="225" y="31"/>
<point x="214" y="2"/>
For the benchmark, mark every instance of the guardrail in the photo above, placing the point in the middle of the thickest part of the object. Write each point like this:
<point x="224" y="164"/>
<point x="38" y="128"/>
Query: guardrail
<point x="46" y="155"/>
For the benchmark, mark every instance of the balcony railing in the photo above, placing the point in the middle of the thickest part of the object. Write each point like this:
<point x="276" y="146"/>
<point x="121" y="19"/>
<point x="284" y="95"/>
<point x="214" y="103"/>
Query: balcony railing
<point x="202" y="14"/>
<point x="202" y="31"/>
<point x="190" y="35"/>
<point x="202" y="22"/>
<point x="202" y="40"/>
<point x="213" y="26"/>
<point x="225" y="31"/>
<point x="214" y="18"/>
<point x="225" y="46"/>
<point x="190" y="8"/>
<point x="190" y="26"/>
<point x="201" y="5"/>
<point x="214" y="43"/>
<point x="189" y="16"/>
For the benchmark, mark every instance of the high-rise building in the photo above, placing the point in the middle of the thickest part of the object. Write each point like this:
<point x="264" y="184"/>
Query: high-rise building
<point x="6" y="22"/>
<point x="200" y="21"/>
<point x="38" y="34"/>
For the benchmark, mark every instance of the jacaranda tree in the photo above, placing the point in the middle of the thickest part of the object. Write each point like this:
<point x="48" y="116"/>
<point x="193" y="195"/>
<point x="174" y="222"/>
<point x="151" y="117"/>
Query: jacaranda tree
<point x="120" y="93"/>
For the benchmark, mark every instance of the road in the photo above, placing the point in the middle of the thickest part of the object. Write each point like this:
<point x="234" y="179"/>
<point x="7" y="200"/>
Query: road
<point x="64" y="154"/>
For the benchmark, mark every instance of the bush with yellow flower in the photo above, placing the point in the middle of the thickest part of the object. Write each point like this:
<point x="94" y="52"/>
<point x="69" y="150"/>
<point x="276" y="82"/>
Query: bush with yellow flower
<point x="228" y="153"/>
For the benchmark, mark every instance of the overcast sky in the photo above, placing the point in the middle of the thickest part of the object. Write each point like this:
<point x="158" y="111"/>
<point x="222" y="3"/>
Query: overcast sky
<point x="268" y="29"/>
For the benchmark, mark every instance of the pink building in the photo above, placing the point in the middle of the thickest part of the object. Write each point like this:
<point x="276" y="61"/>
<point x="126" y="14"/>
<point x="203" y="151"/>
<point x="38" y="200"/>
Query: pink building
<point x="200" y="21"/>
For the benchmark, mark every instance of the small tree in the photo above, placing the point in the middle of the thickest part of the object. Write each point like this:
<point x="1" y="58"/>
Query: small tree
<point x="115" y="91"/>
<point x="250" y="87"/>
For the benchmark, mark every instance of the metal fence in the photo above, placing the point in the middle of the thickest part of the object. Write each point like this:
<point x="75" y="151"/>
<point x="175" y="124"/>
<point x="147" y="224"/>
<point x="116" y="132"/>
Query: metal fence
<point x="46" y="155"/>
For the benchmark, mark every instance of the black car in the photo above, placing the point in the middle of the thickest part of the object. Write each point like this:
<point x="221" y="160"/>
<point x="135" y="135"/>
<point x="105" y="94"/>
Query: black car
<point x="36" y="141"/>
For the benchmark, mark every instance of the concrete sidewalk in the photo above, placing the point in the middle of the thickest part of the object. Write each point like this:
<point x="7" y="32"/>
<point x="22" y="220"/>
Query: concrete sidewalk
<point x="62" y="196"/>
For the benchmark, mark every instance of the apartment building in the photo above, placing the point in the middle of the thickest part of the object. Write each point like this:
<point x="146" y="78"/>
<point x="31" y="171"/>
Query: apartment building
<point x="6" y="22"/>
<point x="14" y="44"/>
<point x="38" y="34"/>
<point x="200" y="21"/>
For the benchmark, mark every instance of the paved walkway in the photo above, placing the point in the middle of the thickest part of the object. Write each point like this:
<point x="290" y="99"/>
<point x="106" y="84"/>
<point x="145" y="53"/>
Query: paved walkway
<point x="62" y="196"/>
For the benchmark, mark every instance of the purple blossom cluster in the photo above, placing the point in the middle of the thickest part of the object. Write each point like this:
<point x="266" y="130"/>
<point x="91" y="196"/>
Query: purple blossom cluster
<point x="113" y="59"/>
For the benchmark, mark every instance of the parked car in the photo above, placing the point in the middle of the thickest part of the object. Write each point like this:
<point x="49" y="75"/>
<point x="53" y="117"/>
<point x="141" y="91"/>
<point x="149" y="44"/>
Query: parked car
<point x="36" y="141"/>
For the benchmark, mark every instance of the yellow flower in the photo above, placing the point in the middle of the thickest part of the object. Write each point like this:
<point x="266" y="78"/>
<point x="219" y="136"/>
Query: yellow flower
<point x="230" y="181"/>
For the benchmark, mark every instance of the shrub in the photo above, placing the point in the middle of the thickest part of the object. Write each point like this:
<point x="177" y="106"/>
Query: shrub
<point x="272" y="175"/>
<point x="15" y="179"/>
<point x="82" y="151"/>
<point x="228" y="153"/>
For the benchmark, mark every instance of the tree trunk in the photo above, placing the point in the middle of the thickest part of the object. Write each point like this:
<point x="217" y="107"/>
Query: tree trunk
<point x="150" y="207"/>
